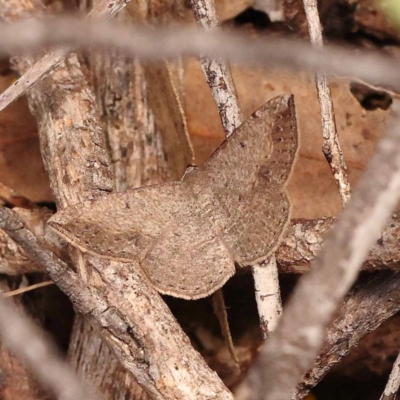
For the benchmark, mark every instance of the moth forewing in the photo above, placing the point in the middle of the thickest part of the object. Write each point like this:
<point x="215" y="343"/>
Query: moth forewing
<point x="187" y="235"/>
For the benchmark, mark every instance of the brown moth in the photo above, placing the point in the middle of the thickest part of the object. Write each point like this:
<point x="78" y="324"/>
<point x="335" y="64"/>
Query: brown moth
<point x="188" y="235"/>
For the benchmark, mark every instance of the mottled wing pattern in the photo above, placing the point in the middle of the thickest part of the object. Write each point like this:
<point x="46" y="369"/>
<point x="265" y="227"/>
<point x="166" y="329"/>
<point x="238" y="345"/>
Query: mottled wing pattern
<point x="189" y="260"/>
<point x="285" y="138"/>
<point x="263" y="210"/>
<point x="121" y="225"/>
<point x="251" y="208"/>
<point x="255" y="225"/>
<point x="234" y="165"/>
<point x="158" y="227"/>
<point x="186" y="236"/>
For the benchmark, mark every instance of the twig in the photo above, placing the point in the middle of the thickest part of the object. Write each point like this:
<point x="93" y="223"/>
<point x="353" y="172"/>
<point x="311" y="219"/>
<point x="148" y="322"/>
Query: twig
<point x="75" y="156"/>
<point x="148" y="44"/>
<point x="220" y="81"/>
<point x="273" y="8"/>
<point x="218" y="72"/>
<point x="268" y="295"/>
<point x="331" y="146"/>
<point x="13" y="260"/>
<point x="304" y="238"/>
<point x="300" y="245"/>
<point x="27" y="288"/>
<point x="292" y="348"/>
<point x="393" y="383"/>
<point x="22" y="336"/>
<point x="103" y="9"/>
<point x="363" y="310"/>
<point x="222" y="316"/>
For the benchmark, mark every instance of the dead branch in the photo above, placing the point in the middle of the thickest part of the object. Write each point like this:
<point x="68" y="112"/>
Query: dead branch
<point x="155" y="45"/>
<point x="114" y="326"/>
<point x="76" y="159"/>
<point x="137" y="144"/>
<point x="13" y="260"/>
<point x="362" y="311"/>
<point x="301" y="243"/>
<point x="393" y="383"/>
<point x="103" y="9"/>
<point x="22" y="336"/>
<point x="331" y="146"/>
<point x="219" y="78"/>
<point x="292" y="348"/>
<point x="218" y="72"/>
<point x="268" y="294"/>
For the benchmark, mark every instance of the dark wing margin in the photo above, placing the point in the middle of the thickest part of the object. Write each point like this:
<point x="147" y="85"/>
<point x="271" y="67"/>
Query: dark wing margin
<point x="253" y="218"/>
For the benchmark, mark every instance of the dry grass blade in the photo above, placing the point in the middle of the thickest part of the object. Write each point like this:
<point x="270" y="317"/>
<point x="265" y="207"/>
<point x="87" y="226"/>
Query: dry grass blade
<point x="300" y="334"/>
<point x="27" y="288"/>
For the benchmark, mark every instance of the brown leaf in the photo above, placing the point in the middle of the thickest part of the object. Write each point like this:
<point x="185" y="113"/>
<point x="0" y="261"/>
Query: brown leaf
<point x="312" y="189"/>
<point x="21" y="166"/>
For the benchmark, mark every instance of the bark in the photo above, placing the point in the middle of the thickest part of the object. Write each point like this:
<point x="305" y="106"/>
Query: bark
<point x="17" y="382"/>
<point x="300" y="334"/>
<point x="304" y="238"/>
<point x="331" y="146"/>
<point x="300" y="245"/>
<point x="393" y="383"/>
<point x="77" y="162"/>
<point x="218" y="71"/>
<point x="362" y="312"/>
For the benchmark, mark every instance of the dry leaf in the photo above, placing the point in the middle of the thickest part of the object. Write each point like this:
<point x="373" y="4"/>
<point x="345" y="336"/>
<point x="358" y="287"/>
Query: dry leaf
<point x="21" y="166"/>
<point x="313" y="191"/>
<point x="169" y="118"/>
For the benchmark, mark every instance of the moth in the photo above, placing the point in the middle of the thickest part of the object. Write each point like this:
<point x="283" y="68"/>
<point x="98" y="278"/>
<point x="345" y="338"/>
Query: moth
<point x="188" y="236"/>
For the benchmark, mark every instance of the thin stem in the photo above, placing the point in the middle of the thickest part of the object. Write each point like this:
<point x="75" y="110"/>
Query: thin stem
<point x="268" y="295"/>
<point x="294" y="345"/>
<point x="393" y="383"/>
<point x="103" y="9"/>
<point x="331" y="146"/>
<point x="26" y="339"/>
<point x="218" y="71"/>
<point x="27" y="288"/>
<point x="155" y="45"/>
